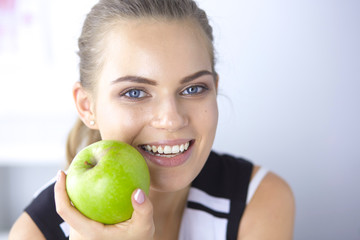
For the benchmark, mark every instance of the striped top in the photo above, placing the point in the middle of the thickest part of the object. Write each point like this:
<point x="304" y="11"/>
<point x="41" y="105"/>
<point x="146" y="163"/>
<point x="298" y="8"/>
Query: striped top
<point x="216" y="202"/>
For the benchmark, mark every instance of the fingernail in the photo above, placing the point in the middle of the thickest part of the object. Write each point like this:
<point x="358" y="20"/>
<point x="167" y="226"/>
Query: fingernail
<point x="58" y="175"/>
<point x="139" y="196"/>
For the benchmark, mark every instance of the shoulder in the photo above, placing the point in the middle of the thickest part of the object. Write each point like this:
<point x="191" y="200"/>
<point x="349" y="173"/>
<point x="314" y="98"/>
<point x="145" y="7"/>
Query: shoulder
<point x="273" y="202"/>
<point x="40" y="218"/>
<point x="25" y="228"/>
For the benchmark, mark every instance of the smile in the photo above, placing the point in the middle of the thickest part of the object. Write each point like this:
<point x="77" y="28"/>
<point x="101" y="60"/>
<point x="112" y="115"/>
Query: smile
<point x="167" y="154"/>
<point x="166" y="150"/>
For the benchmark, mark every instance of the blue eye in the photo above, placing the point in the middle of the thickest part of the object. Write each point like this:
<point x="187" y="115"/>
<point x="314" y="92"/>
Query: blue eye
<point x="135" y="93"/>
<point x="193" y="90"/>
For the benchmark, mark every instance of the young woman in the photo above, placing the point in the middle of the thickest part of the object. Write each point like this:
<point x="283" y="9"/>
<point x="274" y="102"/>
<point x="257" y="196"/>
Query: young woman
<point x="147" y="78"/>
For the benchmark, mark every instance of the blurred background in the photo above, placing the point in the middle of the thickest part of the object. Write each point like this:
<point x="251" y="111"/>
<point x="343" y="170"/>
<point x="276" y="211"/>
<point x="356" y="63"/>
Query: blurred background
<point x="289" y="99"/>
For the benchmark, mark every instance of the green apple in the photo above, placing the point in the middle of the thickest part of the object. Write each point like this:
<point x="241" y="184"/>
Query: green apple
<point x="102" y="177"/>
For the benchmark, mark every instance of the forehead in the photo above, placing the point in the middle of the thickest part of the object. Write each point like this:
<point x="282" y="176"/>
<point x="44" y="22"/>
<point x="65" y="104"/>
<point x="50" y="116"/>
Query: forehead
<point x="152" y="30"/>
<point x="149" y="44"/>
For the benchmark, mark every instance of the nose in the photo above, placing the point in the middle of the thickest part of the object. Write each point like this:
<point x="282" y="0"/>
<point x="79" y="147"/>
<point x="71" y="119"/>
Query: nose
<point x="169" y="115"/>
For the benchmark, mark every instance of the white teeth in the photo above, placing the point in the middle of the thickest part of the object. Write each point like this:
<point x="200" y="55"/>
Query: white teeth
<point x="186" y="146"/>
<point x="167" y="149"/>
<point x="175" y="149"/>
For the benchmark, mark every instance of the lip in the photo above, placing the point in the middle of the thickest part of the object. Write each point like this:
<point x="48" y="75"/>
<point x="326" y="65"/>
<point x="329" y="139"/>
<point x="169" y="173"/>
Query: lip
<point x="169" y="142"/>
<point x="174" y="161"/>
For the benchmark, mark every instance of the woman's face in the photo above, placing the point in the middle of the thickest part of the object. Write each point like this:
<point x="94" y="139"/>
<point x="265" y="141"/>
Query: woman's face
<point x="157" y="92"/>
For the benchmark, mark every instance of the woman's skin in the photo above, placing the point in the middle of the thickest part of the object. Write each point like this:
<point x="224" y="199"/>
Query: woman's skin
<point x="157" y="88"/>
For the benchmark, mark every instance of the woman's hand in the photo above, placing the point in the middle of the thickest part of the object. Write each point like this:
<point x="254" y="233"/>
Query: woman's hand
<point x="140" y="226"/>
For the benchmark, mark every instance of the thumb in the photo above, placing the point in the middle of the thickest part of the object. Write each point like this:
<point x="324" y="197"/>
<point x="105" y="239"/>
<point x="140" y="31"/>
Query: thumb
<point x="142" y="216"/>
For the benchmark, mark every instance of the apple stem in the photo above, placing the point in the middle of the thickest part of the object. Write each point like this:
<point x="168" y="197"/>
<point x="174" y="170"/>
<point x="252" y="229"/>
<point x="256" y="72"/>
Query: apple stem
<point x="89" y="164"/>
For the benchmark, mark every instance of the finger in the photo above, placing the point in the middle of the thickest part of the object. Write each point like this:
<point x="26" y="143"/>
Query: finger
<point x="143" y="211"/>
<point x="67" y="211"/>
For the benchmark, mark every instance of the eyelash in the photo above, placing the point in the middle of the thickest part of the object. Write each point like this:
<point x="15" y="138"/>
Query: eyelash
<point x="127" y="94"/>
<point x="200" y="89"/>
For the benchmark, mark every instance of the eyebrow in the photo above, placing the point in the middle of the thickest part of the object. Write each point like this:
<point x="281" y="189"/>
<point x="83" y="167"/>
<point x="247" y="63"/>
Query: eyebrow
<point x="138" y="79"/>
<point x="195" y="76"/>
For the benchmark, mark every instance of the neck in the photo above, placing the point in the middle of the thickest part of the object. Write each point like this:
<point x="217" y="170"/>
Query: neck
<point x="168" y="211"/>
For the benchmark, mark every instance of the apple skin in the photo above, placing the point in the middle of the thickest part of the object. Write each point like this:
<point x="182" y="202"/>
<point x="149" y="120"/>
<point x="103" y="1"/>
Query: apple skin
<point x="102" y="178"/>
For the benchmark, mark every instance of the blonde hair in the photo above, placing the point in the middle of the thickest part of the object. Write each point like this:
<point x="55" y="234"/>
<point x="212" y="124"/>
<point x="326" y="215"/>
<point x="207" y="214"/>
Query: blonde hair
<point x="99" y="21"/>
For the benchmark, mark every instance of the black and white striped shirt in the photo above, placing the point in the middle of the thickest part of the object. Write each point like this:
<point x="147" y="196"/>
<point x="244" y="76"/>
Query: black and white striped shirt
<point x="216" y="202"/>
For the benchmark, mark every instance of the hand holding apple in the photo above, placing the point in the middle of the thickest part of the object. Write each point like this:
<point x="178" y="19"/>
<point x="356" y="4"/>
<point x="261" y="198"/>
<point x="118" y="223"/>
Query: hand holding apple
<point x="102" y="178"/>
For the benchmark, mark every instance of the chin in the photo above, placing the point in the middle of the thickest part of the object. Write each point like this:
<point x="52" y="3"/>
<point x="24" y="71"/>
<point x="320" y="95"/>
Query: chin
<point x="169" y="182"/>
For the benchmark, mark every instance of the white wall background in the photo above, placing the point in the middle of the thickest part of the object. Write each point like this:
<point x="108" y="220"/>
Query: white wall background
<point x="289" y="100"/>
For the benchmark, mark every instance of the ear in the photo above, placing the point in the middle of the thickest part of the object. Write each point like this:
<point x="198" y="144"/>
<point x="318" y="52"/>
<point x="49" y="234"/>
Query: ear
<point x="84" y="105"/>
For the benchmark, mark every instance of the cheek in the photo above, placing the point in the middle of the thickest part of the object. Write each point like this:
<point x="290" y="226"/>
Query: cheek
<point x="206" y="118"/>
<point x="121" y="123"/>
